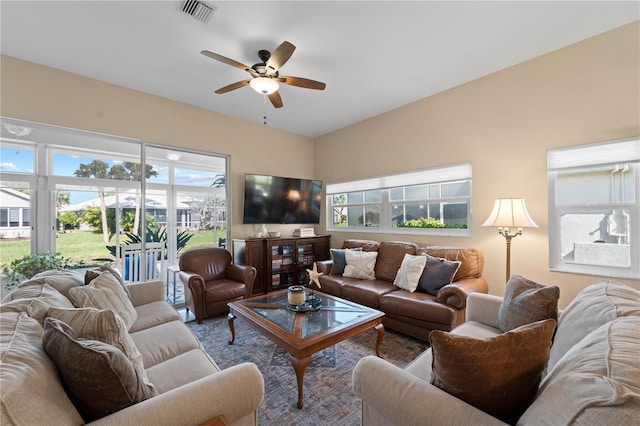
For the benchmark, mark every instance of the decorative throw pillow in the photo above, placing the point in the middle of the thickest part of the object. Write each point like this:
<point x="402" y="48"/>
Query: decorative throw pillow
<point x="360" y="264"/>
<point x="499" y="375"/>
<point x="104" y="292"/>
<point x="525" y="302"/>
<point x="437" y="273"/>
<point x="99" y="377"/>
<point x="339" y="260"/>
<point x="410" y="271"/>
<point x="105" y="326"/>
<point x="116" y="274"/>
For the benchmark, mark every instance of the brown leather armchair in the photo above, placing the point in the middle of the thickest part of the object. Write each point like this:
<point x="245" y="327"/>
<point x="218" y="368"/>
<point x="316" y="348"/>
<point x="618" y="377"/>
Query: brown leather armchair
<point x="211" y="281"/>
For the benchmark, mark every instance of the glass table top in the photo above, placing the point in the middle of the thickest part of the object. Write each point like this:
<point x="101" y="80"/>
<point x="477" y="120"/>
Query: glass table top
<point x="332" y="313"/>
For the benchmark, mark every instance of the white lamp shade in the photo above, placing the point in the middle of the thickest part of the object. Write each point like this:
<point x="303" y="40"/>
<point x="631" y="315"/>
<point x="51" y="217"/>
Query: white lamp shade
<point x="264" y="85"/>
<point x="510" y="213"/>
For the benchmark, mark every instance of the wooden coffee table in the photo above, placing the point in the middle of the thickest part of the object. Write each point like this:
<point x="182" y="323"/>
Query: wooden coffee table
<point x="302" y="334"/>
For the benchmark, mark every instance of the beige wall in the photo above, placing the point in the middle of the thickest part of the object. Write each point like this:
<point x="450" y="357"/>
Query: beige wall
<point x="46" y="95"/>
<point x="503" y="124"/>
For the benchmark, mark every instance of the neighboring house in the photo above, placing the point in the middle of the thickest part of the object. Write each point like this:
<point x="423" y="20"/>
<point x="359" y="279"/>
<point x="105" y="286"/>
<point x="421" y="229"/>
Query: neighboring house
<point x="156" y="205"/>
<point x="15" y="214"/>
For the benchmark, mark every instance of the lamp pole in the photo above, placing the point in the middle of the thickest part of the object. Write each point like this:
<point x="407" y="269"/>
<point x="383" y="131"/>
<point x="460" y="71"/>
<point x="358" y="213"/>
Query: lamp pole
<point x="505" y="233"/>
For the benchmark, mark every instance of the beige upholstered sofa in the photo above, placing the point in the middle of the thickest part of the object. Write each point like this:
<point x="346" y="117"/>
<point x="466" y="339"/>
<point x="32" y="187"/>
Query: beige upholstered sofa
<point x="592" y="375"/>
<point x="188" y="388"/>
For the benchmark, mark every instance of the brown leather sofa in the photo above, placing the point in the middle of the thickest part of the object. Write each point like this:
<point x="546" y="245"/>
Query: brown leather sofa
<point x="211" y="281"/>
<point x="417" y="313"/>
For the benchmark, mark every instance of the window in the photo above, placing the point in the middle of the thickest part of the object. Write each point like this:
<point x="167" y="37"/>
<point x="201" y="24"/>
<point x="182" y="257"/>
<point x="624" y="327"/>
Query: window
<point x="88" y="196"/>
<point x="594" y="208"/>
<point x="432" y="202"/>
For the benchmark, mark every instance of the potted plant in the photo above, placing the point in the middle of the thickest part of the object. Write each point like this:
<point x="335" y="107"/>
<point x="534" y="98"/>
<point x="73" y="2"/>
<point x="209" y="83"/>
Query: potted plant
<point x="28" y="266"/>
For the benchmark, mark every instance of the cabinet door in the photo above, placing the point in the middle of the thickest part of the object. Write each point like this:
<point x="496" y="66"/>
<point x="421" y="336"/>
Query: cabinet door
<point x="283" y="260"/>
<point x="306" y="255"/>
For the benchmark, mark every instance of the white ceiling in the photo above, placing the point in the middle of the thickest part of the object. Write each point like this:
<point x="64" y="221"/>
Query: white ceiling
<point x="374" y="56"/>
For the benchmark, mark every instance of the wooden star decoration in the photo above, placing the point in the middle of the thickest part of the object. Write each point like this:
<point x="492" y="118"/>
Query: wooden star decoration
<point x="314" y="274"/>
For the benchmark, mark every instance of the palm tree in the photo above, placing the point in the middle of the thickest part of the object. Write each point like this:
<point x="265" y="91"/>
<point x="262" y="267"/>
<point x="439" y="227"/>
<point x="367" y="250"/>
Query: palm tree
<point x="135" y="175"/>
<point x="97" y="169"/>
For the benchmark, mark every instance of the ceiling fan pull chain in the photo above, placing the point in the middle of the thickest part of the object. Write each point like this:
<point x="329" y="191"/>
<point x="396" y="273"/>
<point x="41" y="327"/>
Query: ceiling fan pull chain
<point x="264" y="109"/>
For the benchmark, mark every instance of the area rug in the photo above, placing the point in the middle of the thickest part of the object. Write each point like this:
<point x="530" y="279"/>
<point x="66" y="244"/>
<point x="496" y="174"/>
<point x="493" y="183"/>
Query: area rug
<point x="328" y="396"/>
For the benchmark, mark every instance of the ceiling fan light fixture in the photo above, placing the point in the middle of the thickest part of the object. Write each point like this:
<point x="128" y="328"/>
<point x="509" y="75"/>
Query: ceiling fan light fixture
<point x="264" y="85"/>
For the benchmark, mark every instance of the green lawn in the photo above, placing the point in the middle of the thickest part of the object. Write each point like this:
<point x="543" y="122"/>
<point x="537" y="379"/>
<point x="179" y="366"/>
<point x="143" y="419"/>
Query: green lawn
<point x="86" y="245"/>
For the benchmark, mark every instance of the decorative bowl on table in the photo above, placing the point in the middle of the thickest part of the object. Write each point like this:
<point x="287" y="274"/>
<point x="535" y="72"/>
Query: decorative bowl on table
<point x="312" y="303"/>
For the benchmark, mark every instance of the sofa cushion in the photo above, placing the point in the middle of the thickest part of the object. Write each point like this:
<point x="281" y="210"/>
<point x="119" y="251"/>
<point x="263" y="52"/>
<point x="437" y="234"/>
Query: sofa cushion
<point x="360" y="264"/>
<point x="525" y="302"/>
<point x="499" y="375"/>
<point x="418" y="305"/>
<point x="34" y="299"/>
<point x="98" y="376"/>
<point x="367" y="292"/>
<point x="339" y="260"/>
<point x="155" y="347"/>
<point x="32" y="393"/>
<point x="597" y="382"/>
<point x="364" y="245"/>
<point x="410" y="272"/>
<point x="390" y="255"/>
<point x="592" y="307"/>
<point x="437" y="273"/>
<point x="181" y="370"/>
<point x="152" y="314"/>
<point x="105" y="326"/>
<point x="105" y="292"/>
<point x="471" y="259"/>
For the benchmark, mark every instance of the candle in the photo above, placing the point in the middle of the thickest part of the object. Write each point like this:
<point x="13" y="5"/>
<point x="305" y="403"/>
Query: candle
<point x="296" y="295"/>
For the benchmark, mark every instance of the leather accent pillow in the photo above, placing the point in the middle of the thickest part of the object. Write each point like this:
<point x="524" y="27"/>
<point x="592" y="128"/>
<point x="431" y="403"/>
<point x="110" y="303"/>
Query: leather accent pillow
<point x="360" y="264"/>
<point x="339" y="260"/>
<point x="99" y="378"/>
<point x="105" y="326"/>
<point x="525" y="302"/>
<point x="437" y="273"/>
<point x="410" y="272"/>
<point x="499" y="375"/>
<point x="104" y="292"/>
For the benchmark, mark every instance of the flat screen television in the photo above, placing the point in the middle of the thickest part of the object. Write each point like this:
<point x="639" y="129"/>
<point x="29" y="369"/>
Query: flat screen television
<point x="281" y="200"/>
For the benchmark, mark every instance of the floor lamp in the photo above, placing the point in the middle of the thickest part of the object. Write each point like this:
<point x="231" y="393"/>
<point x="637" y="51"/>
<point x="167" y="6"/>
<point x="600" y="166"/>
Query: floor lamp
<point x="509" y="213"/>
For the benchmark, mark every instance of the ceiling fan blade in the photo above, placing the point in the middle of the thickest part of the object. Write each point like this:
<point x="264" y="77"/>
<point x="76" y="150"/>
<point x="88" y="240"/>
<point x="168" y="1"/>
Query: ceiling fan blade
<point x="226" y="60"/>
<point x="232" y="86"/>
<point x="280" y="56"/>
<point x="302" y="82"/>
<point x="275" y="99"/>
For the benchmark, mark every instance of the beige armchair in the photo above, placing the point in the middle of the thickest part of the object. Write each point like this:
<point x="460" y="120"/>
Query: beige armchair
<point x="211" y="281"/>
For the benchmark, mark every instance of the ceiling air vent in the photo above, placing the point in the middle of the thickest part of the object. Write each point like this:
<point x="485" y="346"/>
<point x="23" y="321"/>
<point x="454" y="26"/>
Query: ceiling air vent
<point x="199" y="10"/>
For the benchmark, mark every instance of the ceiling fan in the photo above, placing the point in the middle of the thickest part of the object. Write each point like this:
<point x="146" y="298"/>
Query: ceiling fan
<point x="265" y="76"/>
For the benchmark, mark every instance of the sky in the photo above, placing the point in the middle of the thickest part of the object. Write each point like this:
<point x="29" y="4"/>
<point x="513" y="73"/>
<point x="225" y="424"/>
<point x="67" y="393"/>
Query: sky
<point x="22" y="161"/>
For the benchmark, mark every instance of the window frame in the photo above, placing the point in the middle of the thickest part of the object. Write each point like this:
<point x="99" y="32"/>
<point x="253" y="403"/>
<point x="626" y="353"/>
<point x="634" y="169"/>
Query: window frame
<point x="455" y="173"/>
<point x="581" y="159"/>
<point x="47" y="142"/>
